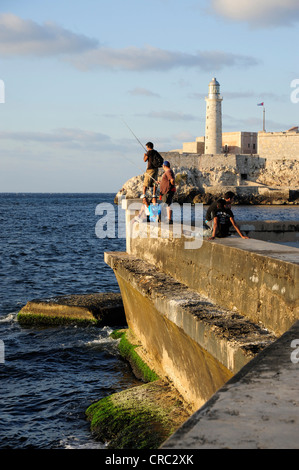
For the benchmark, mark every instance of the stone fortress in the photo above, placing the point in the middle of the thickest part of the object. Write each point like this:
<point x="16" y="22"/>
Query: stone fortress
<point x="260" y="167"/>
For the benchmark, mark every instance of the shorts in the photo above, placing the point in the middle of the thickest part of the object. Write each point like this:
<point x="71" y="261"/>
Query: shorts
<point x="167" y="198"/>
<point x="150" y="178"/>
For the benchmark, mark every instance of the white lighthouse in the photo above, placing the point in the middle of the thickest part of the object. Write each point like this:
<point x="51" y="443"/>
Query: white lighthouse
<point x="213" y="137"/>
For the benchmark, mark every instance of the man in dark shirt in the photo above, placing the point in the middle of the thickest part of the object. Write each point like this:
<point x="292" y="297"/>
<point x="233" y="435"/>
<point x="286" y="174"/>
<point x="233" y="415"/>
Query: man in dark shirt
<point x="151" y="174"/>
<point x="223" y="219"/>
<point x="228" y="198"/>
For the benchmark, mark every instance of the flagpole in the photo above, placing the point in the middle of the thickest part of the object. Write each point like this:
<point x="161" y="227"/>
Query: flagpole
<point x="264" y="115"/>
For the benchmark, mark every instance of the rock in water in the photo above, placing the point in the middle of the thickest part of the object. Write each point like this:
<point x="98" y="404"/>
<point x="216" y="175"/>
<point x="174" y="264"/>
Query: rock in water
<point x="141" y="417"/>
<point x="103" y="309"/>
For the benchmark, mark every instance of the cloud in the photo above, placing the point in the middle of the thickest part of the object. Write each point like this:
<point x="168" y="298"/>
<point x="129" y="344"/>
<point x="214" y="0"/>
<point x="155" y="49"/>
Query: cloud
<point x="235" y="95"/>
<point x="253" y="123"/>
<point x="184" y="136"/>
<point x="171" y="116"/>
<point x="153" y="58"/>
<point x="21" y="37"/>
<point x="64" y="138"/>
<point x="258" y="13"/>
<point x="143" y="92"/>
<point x="239" y="95"/>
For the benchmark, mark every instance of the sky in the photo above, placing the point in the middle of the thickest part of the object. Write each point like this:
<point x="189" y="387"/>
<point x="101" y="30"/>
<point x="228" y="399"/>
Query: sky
<point x="78" y="79"/>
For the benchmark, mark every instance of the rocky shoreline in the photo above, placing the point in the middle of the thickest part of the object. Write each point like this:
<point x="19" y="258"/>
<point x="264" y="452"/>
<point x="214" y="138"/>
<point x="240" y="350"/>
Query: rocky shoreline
<point x="276" y="183"/>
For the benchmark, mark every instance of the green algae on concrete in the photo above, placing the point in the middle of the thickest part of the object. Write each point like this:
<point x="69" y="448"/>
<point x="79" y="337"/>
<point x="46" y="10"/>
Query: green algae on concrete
<point x="128" y="352"/>
<point x="142" y="417"/>
<point x="33" y="319"/>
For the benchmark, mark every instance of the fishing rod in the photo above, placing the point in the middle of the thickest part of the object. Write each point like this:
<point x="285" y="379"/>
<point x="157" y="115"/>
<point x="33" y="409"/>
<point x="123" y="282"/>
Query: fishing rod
<point x="141" y="146"/>
<point x="133" y="134"/>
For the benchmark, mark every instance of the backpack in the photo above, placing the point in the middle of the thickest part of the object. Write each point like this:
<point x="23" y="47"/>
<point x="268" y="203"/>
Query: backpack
<point x="157" y="159"/>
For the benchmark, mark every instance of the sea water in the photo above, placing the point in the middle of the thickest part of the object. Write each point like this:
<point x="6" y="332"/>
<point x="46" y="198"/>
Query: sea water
<point x="49" y="376"/>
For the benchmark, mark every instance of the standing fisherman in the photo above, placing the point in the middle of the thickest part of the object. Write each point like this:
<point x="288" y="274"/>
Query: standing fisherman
<point x="167" y="188"/>
<point x="154" y="161"/>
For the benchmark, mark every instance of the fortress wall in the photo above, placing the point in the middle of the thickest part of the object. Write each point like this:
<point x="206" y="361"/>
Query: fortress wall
<point x="278" y="145"/>
<point x="243" y="164"/>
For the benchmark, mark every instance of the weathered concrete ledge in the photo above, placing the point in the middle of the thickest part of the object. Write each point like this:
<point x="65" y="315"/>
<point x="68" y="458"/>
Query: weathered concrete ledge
<point x="257" y="279"/>
<point x="190" y="340"/>
<point x="99" y="308"/>
<point x="267" y="230"/>
<point x="257" y="409"/>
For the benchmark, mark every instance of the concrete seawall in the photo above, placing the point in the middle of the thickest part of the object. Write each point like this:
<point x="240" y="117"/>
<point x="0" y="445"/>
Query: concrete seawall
<point x="257" y="279"/>
<point x="186" y="338"/>
<point x="204" y="313"/>
<point x="256" y="409"/>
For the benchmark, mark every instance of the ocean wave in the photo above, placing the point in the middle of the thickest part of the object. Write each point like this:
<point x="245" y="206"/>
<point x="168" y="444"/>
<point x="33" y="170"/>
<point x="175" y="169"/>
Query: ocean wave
<point x="9" y="318"/>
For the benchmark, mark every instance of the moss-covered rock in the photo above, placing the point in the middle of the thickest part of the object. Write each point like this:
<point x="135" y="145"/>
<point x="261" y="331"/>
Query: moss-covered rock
<point x="142" y="417"/>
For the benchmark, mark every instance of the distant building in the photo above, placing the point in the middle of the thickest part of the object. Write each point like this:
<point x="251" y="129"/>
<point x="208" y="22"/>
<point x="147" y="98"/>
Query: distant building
<point x="239" y="142"/>
<point x="232" y="142"/>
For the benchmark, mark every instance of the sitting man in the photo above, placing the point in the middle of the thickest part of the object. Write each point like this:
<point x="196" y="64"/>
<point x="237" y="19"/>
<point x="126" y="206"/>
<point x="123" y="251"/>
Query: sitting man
<point x="228" y="199"/>
<point x="223" y="219"/>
